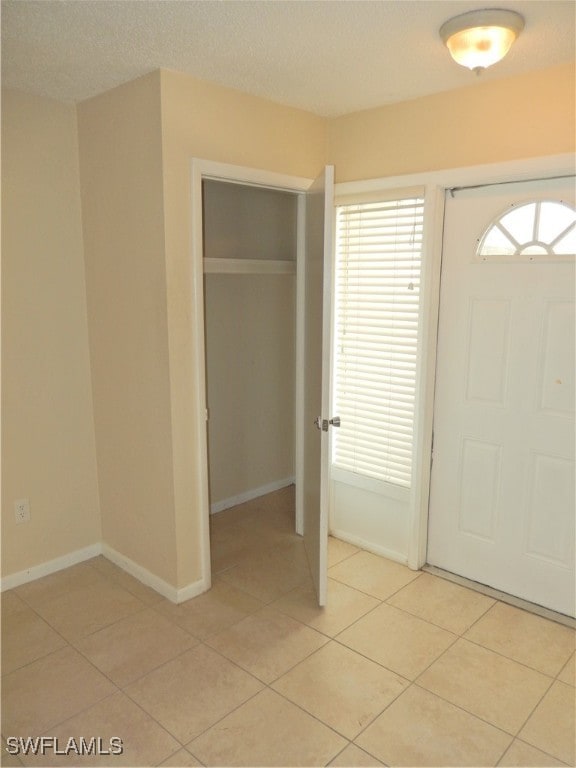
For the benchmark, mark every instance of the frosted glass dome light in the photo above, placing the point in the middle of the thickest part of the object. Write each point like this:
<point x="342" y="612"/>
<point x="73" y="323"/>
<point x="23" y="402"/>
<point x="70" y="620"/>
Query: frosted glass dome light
<point x="478" y="39"/>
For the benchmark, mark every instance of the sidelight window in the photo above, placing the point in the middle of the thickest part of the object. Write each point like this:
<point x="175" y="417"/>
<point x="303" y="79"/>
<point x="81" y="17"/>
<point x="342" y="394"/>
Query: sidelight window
<point x="377" y="300"/>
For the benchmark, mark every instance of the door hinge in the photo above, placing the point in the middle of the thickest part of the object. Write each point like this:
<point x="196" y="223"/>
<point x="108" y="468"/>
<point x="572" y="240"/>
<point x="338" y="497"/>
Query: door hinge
<point x="323" y="424"/>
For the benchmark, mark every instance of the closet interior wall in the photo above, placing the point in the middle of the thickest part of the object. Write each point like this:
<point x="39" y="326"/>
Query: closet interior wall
<point x="250" y="339"/>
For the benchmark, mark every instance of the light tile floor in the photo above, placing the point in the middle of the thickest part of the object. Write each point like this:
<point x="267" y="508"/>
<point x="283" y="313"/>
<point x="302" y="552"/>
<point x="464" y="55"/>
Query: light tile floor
<point x="401" y="668"/>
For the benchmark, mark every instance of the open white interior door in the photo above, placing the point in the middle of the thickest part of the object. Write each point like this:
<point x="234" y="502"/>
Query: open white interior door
<point x="317" y="334"/>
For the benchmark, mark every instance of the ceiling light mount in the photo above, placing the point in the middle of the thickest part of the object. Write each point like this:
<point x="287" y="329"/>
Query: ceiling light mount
<point x="478" y="39"/>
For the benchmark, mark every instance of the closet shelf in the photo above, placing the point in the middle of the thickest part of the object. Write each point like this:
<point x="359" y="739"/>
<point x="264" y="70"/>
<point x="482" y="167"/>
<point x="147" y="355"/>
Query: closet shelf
<point x="249" y="267"/>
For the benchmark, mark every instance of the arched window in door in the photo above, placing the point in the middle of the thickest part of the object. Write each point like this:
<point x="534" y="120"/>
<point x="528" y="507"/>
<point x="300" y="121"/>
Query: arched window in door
<point x="533" y="231"/>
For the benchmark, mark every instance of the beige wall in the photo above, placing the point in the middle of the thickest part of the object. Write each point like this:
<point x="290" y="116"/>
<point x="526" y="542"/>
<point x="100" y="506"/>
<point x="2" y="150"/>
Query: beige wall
<point x="250" y="355"/>
<point x="121" y="176"/>
<point x="245" y="222"/>
<point x="201" y="119"/>
<point x="207" y="121"/>
<point x="491" y="121"/>
<point x="48" y="446"/>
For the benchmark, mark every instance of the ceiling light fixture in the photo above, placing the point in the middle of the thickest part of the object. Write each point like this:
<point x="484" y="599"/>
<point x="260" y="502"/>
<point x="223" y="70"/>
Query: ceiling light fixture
<point x="478" y="39"/>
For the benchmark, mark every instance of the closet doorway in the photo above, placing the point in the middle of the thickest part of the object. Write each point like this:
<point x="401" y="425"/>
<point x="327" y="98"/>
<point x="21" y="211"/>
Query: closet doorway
<point x="250" y="249"/>
<point x="259" y="242"/>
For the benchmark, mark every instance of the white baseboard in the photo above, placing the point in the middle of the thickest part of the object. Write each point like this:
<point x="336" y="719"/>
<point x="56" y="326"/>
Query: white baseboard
<point x="148" y="578"/>
<point x="45" y="569"/>
<point x="390" y="554"/>
<point x="220" y="506"/>
<point x="87" y="553"/>
<point x="193" y="590"/>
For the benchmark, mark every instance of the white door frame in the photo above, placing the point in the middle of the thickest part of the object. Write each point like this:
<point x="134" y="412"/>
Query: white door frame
<point x="436" y="183"/>
<point x="207" y="169"/>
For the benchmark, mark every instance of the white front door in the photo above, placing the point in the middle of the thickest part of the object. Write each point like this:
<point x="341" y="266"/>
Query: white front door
<point x="317" y="345"/>
<point x="502" y="489"/>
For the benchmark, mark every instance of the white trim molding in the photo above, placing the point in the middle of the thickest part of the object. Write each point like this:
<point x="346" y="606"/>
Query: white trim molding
<point x="300" y="366"/>
<point x="148" y="578"/>
<point x="254" y="493"/>
<point x="357" y="541"/>
<point x="236" y="174"/>
<point x="129" y="566"/>
<point x="51" y="566"/>
<point x="491" y="173"/>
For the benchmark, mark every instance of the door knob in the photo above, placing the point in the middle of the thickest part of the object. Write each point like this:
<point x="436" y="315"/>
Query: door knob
<point x="335" y="421"/>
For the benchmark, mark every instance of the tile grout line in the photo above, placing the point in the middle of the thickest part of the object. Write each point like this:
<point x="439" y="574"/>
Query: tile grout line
<point x="508" y="748"/>
<point x="368" y="752"/>
<point x="103" y="576"/>
<point x="563" y="668"/>
<point x="509" y="658"/>
<point x="288" y="670"/>
<point x="461" y="637"/>
<point x="369" y="594"/>
<point x="463" y="709"/>
<point x="234" y="663"/>
<point x="216" y="650"/>
<point x="203" y="641"/>
<point x="173" y="754"/>
<point x="339" y="753"/>
<point x="535" y="707"/>
<point x="79" y="712"/>
<point x="412" y="683"/>
<point x="502" y="597"/>
<point x="220" y="719"/>
<point x="44" y="656"/>
<point x="526" y="743"/>
<point x="381" y="602"/>
<point x="149" y="714"/>
<point x="119" y="689"/>
<point x="501" y="602"/>
<point x="122" y="689"/>
<point x="268" y="686"/>
<point x="137" y="679"/>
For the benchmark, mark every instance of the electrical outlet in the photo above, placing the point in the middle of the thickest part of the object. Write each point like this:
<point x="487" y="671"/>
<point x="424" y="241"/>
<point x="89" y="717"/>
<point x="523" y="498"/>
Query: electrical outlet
<point x="22" y="510"/>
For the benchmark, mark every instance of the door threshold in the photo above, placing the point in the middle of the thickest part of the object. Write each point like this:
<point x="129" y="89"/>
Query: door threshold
<point x="504" y="597"/>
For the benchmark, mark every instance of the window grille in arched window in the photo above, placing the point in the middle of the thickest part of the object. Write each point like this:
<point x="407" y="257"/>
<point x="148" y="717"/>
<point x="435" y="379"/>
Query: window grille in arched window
<point x="536" y="231"/>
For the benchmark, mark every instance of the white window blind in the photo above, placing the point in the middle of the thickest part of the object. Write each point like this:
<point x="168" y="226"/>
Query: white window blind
<point x="378" y="264"/>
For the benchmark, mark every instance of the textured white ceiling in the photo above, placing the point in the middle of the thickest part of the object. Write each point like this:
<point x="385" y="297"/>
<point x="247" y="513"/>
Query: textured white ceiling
<point x="326" y="56"/>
